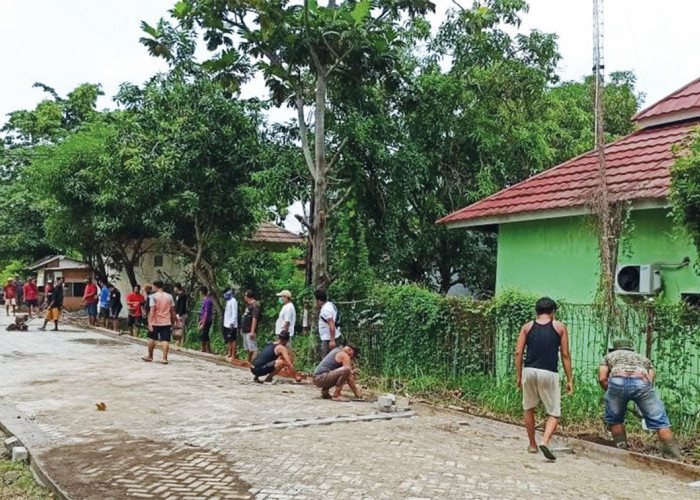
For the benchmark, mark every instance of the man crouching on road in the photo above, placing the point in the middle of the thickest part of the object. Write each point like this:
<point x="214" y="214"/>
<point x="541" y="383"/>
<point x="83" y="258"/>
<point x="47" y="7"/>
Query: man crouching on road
<point x="626" y="375"/>
<point x="336" y="370"/>
<point x="273" y="358"/>
<point x="541" y="340"/>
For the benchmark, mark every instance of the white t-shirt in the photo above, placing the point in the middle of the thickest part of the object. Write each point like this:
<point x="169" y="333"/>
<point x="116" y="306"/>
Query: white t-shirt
<point x="328" y="311"/>
<point x="231" y="313"/>
<point x="288" y="313"/>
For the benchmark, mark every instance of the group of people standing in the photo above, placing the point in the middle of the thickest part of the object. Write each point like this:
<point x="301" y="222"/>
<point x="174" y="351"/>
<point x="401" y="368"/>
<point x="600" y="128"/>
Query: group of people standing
<point x="16" y="293"/>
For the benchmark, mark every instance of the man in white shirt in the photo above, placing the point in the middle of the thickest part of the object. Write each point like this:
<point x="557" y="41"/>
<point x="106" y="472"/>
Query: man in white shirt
<point x="287" y="317"/>
<point x="328" y="323"/>
<point x="230" y="326"/>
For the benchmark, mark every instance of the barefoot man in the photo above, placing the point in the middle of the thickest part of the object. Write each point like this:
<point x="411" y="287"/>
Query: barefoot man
<point x="273" y="358"/>
<point x="335" y="370"/>
<point x="161" y="318"/>
<point x="541" y="340"/>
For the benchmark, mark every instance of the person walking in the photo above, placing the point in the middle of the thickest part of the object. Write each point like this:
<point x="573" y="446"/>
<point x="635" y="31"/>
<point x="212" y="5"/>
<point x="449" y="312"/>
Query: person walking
<point x="10" y="291"/>
<point x="31" y="295"/>
<point x="335" y="370"/>
<point x="230" y="326"/>
<point x="180" y="332"/>
<point x="104" y="302"/>
<point x="115" y="306"/>
<point x="328" y="323"/>
<point x="90" y="300"/>
<point x="249" y="325"/>
<point x="273" y="358"/>
<point x="161" y="318"/>
<point x="133" y="308"/>
<point x="206" y="317"/>
<point x="626" y="375"/>
<point x="541" y="340"/>
<point x="288" y="316"/>
<point x="55" y="305"/>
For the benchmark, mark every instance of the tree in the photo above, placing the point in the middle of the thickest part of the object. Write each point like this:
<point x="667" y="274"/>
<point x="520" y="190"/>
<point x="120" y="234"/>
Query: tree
<point x="300" y="51"/>
<point x="685" y="188"/>
<point x="196" y="151"/>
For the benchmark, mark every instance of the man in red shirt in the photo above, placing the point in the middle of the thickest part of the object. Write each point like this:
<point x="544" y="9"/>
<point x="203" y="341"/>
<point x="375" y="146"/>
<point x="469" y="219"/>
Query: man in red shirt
<point x="10" y="290"/>
<point x="161" y="318"/>
<point x="31" y="295"/>
<point x="133" y="306"/>
<point x="90" y="300"/>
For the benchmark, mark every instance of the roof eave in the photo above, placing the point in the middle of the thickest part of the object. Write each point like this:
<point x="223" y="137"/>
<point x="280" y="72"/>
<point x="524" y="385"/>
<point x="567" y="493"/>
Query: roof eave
<point x="546" y="214"/>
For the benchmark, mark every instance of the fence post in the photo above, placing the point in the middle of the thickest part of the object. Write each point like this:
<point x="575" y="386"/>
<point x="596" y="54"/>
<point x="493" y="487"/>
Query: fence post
<point x="649" y="329"/>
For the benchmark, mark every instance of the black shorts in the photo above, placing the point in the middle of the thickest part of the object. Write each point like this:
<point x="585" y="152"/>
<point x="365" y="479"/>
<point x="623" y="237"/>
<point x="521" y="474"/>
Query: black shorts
<point x="204" y="332"/>
<point x="32" y="303"/>
<point x="114" y="312"/>
<point x="104" y="312"/>
<point x="133" y="320"/>
<point x="229" y="334"/>
<point x="265" y="369"/>
<point x="161" y="333"/>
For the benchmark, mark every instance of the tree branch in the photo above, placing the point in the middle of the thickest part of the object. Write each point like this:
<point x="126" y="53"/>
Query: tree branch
<point x="304" y="134"/>
<point x="340" y="201"/>
<point x="337" y="153"/>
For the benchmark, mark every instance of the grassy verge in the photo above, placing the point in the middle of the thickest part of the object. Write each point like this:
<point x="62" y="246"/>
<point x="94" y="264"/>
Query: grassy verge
<point x="17" y="482"/>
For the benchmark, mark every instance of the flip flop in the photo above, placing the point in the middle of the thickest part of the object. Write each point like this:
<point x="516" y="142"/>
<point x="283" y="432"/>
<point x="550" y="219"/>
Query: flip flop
<point x="148" y="360"/>
<point x="547" y="452"/>
<point x="341" y="399"/>
<point x="531" y="450"/>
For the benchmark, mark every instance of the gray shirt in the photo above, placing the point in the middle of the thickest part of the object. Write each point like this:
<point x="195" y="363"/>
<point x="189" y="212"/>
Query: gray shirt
<point x="328" y="364"/>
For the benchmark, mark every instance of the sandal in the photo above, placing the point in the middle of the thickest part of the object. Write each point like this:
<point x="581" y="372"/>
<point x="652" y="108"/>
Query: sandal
<point x="547" y="452"/>
<point x="148" y="360"/>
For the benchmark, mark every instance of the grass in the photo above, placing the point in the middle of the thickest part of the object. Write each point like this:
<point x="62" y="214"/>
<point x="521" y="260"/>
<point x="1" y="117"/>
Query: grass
<point x="17" y="483"/>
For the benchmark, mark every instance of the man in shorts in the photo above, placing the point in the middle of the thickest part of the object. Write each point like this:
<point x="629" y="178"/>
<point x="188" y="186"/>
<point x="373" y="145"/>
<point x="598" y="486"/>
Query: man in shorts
<point x="335" y="370"/>
<point x="541" y="340"/>
<point x="230" y="326"/>
<point x="115" y="306"/>
<point x="161" y="318"/>
<point x="55" y="305"/>
<point x="104" y="302"/>
<point x="133" y="306"/>
<point x="627" y="376"/>
<point x="249" y="325"/>
<point x="273" y="358"/>
<point x="31" y="295"/>
<point x="90" y="300"/>
<point x="10" y="296"/>
<point x="206" y="317"/>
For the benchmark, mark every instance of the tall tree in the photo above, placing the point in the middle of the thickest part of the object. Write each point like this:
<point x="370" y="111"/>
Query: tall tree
<point x="301" y="50"/>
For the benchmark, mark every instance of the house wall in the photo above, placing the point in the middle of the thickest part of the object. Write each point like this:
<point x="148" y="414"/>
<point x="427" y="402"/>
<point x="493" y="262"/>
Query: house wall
<point x="559" y="257"/>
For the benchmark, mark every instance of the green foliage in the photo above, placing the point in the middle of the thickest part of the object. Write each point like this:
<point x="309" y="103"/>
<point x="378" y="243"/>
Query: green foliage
<point x="18" y="482"/>
<point x="685" y="187"/>
<point x="12" y="269"/>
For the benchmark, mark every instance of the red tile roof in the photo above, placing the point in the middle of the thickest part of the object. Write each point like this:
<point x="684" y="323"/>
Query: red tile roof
<point x="636" y="168"/>
<point x="271" y="233"/>
<point x="683" y="100"/>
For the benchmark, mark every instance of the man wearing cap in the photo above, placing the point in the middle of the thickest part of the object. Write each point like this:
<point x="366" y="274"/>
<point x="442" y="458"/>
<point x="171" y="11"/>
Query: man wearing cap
<point x="288" y="316"/>
<point x="90" y="300"/>
<point x="273" y="358"/>
<point x="626" y="375"/>
<point x="230" y="326"/>
<point x="335" y="370"/>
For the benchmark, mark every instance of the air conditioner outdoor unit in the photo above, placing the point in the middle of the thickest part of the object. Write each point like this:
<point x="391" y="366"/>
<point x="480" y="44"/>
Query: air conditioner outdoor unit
<point x="642" y="279"/>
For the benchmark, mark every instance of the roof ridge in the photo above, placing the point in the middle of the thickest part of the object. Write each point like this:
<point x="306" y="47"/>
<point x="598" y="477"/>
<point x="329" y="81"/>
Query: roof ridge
<point x="668" y="97"/>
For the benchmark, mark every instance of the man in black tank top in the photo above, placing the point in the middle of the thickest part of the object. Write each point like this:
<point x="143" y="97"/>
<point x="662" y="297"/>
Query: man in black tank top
<point x="541" y="340"/>
<point x="274" y="358"/>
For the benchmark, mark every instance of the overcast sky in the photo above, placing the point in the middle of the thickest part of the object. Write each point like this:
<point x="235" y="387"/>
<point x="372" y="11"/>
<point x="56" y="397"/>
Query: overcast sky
<point x="64" y="43"/>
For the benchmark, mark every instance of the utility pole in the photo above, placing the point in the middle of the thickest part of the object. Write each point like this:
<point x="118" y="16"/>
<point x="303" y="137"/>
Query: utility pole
<point x="609" y="215"/>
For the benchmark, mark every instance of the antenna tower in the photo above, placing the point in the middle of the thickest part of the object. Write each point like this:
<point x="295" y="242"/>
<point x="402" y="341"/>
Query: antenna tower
<point x="598" y="72"/>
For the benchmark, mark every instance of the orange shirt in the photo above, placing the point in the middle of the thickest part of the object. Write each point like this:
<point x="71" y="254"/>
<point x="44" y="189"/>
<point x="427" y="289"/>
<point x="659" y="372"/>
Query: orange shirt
<point x="161" y="303"/>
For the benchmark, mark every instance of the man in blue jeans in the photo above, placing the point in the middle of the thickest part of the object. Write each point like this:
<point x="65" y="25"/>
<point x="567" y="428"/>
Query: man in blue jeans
<point x="627" y="376"/>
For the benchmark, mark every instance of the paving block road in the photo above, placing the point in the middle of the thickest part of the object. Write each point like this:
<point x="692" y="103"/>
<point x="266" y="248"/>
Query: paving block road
<point x="174" y="431"/>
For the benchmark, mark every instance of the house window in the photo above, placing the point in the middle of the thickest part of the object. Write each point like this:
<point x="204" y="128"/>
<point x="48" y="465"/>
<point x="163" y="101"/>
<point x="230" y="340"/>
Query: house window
<point x="73" y="289"/>
<point x="157" y="261"/>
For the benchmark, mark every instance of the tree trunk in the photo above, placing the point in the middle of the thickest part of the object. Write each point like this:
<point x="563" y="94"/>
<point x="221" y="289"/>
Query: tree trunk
<point x="320" y="194"/>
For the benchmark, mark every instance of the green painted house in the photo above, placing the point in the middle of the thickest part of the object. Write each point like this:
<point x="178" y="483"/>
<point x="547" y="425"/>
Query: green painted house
<point x="546" y="244"/>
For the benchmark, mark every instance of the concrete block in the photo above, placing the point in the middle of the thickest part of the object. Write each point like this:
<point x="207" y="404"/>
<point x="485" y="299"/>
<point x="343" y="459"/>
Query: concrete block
<point x="20" y="454"/>
<point x="11" y="442"/>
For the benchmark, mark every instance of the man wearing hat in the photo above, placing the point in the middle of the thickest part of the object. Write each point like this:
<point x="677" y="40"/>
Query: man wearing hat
<point x="10" y="290"/>
<point x="273" y="358"/>
<point x="626" y="375"/>
<point x="287" y="317"/>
